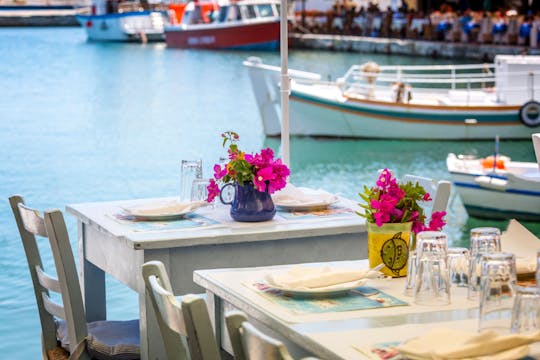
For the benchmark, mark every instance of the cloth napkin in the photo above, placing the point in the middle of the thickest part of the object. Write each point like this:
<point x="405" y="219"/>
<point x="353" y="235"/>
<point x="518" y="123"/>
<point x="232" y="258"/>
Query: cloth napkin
<point x="292" y="195"/>
<point x="447" y="344"/>
<point x="305" y="278"/>
<point x="164" y="207"/>
<point x="519" y="240"/>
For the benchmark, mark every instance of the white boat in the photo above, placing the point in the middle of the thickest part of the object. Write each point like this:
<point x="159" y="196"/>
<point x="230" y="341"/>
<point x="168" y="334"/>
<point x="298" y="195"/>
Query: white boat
<point x="406" y="102"/>
<point x="128" y="22"/>
<point x="510" y="190"/>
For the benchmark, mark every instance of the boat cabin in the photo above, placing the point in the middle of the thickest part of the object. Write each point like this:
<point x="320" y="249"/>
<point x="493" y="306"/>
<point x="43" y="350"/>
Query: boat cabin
<point x="210" y="12"/>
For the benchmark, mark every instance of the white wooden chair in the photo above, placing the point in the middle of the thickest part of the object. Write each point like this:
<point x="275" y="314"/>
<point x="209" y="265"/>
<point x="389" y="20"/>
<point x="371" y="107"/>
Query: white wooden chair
<point x="249" y="343"/>
<point x="70" y="338"/>
<point x="182" y="324"/>
<point x="536" y="144"/>
<point x="439" y="191"/>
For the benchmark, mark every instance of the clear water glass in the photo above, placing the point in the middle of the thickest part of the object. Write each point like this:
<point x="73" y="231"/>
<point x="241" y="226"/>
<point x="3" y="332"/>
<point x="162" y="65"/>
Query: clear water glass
<point x="190" y="170"/>
<point x="526" y="310"/>
<point x="458" y="265"/>
<point x="497" y="293"/>
<point x="411" y="273"/>
<point x="199" y="190"/>
<point x="483" y="240"/>
<point x="432" y="281"/>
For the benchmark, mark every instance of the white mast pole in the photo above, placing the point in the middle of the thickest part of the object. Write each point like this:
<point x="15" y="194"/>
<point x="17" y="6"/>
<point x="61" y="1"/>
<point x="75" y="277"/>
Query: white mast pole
<point x="285" y="83"/>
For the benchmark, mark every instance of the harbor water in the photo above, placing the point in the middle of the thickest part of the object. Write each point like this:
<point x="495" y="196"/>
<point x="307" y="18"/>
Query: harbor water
<point x="84" y="122"/>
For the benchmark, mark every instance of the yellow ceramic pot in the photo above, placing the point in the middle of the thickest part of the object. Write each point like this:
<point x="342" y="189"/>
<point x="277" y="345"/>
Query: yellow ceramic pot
<point x="389" y="244"/>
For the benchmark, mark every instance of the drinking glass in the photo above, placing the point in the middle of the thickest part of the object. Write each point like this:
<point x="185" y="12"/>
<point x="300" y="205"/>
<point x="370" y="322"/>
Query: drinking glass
<point x="497" y="291"/>
<point x="484" y="240"/>
<point x="199" y="189"/>
<point x="526" y="310"/>
<point x="458" y="265"/>
<point x="190" y="170"/>
<point x="411" y="273"/>
<point x="432" y="281"/>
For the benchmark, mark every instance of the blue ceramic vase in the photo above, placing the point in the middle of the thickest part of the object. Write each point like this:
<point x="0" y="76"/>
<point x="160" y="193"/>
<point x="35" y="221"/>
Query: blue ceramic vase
<point x="250" y="204"/>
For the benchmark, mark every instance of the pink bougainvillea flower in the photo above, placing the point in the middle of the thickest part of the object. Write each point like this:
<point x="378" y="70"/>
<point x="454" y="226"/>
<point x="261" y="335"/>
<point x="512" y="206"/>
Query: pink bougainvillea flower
<point x="427" y="197"/>
<point x="384" y="179"/>
<point x="417" y="227"/>
<point x="381" y="218"/>
<point x="219" y="172"/>
<point x="437" y="222"/>
<point x="213" y="190"/>
<point x="262" y="176"/>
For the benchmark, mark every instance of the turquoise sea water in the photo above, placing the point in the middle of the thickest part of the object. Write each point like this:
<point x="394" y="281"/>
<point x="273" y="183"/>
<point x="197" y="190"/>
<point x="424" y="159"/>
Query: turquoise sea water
<point x="84" y="122"/>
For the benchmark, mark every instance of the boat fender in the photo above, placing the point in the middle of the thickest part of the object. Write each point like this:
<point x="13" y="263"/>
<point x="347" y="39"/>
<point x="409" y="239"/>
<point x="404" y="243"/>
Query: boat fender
<point x="529" y="114"/>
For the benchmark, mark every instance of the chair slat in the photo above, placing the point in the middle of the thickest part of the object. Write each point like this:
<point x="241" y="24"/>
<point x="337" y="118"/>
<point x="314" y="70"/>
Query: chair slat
<point x="170" y="309"/>
<point x="32" y="221"/>
<point x="53" y="307"/>
<point x="47" y="281"/>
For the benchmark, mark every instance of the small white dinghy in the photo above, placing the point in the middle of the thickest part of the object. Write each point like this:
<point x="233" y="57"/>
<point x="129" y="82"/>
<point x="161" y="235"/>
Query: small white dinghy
<point x="510" y="189"/>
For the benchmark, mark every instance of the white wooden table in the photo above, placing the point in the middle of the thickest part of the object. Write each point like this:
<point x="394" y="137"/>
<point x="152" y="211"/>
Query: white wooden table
<point x="331" y="335"/>
<point x="109" y="246"/>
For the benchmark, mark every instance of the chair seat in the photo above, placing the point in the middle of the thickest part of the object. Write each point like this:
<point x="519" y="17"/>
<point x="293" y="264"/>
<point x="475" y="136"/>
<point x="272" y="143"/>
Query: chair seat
<point x="108" y="340"/>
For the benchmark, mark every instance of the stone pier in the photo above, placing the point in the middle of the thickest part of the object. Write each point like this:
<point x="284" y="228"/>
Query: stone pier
<point x="438" y="49"/>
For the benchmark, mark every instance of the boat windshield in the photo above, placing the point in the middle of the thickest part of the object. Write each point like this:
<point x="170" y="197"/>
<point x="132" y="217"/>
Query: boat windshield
<point x="248" y="12"/>
<point x="265" y="10"/>
<point x="229" y="13"/>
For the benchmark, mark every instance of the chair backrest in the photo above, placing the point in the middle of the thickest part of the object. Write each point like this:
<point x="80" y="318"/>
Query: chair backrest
<point x="249" y="343"/>
<point x="188" y="322"/>
<point x="52" y="226"/>
<point x="439" y="191"/>
<point x="536" y="144"/>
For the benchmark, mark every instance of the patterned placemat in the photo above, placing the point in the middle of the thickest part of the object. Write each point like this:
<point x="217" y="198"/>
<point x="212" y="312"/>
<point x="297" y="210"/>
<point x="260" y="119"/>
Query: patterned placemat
<point x="352" y="300"/>
<point x="189" y="221"/>
<point x="331" y="211"/>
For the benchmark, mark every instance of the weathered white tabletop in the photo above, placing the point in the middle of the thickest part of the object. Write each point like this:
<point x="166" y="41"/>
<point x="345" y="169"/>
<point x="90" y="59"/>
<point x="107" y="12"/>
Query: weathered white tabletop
<point x="108" y="245"/>
<point x="331" y="335"/>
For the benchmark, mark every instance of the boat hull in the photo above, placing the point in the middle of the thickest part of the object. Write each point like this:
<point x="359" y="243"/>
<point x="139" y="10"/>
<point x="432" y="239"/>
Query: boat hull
<point x="316" y="116"/>
<point x="129" y="26"/>
<point x="246" y="36"/>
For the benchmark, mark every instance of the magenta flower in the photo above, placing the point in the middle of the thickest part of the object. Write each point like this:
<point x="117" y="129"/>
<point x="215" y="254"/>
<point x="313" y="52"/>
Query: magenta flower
<point x="213" y="190"/>
<point x="437" y="222"/>
<point x="219" y="172"/>
<point x="262" y="176"/>
<point x="427" y="197"/>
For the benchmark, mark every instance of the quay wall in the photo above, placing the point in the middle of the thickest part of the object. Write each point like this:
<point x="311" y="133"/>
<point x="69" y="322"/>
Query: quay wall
<point x="437" y="49"/>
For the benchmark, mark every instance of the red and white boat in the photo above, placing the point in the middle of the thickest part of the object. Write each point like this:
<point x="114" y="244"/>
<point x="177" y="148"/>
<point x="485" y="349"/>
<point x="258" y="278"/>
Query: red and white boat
<point x="244" y="24"/>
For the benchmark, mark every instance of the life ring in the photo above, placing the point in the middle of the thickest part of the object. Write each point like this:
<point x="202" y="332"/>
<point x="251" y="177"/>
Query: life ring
<point x="529" y="114"/>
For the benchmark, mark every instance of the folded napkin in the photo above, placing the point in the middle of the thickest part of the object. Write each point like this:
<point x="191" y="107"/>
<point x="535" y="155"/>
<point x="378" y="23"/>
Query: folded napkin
<point x="165" y="207"/>
<point x="447" y="344"/>
<point x="518" y="240"/>
<point x="292" y="195"/>
<point x="306" y="278"/>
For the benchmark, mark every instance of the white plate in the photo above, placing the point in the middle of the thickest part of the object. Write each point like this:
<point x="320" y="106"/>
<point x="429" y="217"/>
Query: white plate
<point x="164" y="211"/>
<point x="307" y="207"/>
<point x="327" y="291"/>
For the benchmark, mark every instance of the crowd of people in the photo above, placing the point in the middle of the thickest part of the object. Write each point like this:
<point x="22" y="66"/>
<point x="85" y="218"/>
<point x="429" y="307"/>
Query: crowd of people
<point x="346" y="17"/>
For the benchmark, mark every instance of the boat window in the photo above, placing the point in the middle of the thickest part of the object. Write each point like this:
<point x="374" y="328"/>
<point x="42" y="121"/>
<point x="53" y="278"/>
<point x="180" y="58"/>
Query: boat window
<point x="223" y="13"/>
<point x="265" y="10"/>
<point x="186" y="19"/>
<point x="233" y="14"/>
<point x="248" y="12"/>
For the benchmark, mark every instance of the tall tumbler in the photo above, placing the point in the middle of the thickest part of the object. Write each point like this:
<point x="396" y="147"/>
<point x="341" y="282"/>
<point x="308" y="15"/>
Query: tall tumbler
<point x="484" y="240"/>
<point x="497" y="291"/>
<point x="432" y="281"/>
<point x="190" y="170"/>
<point x="526" y="310"/>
